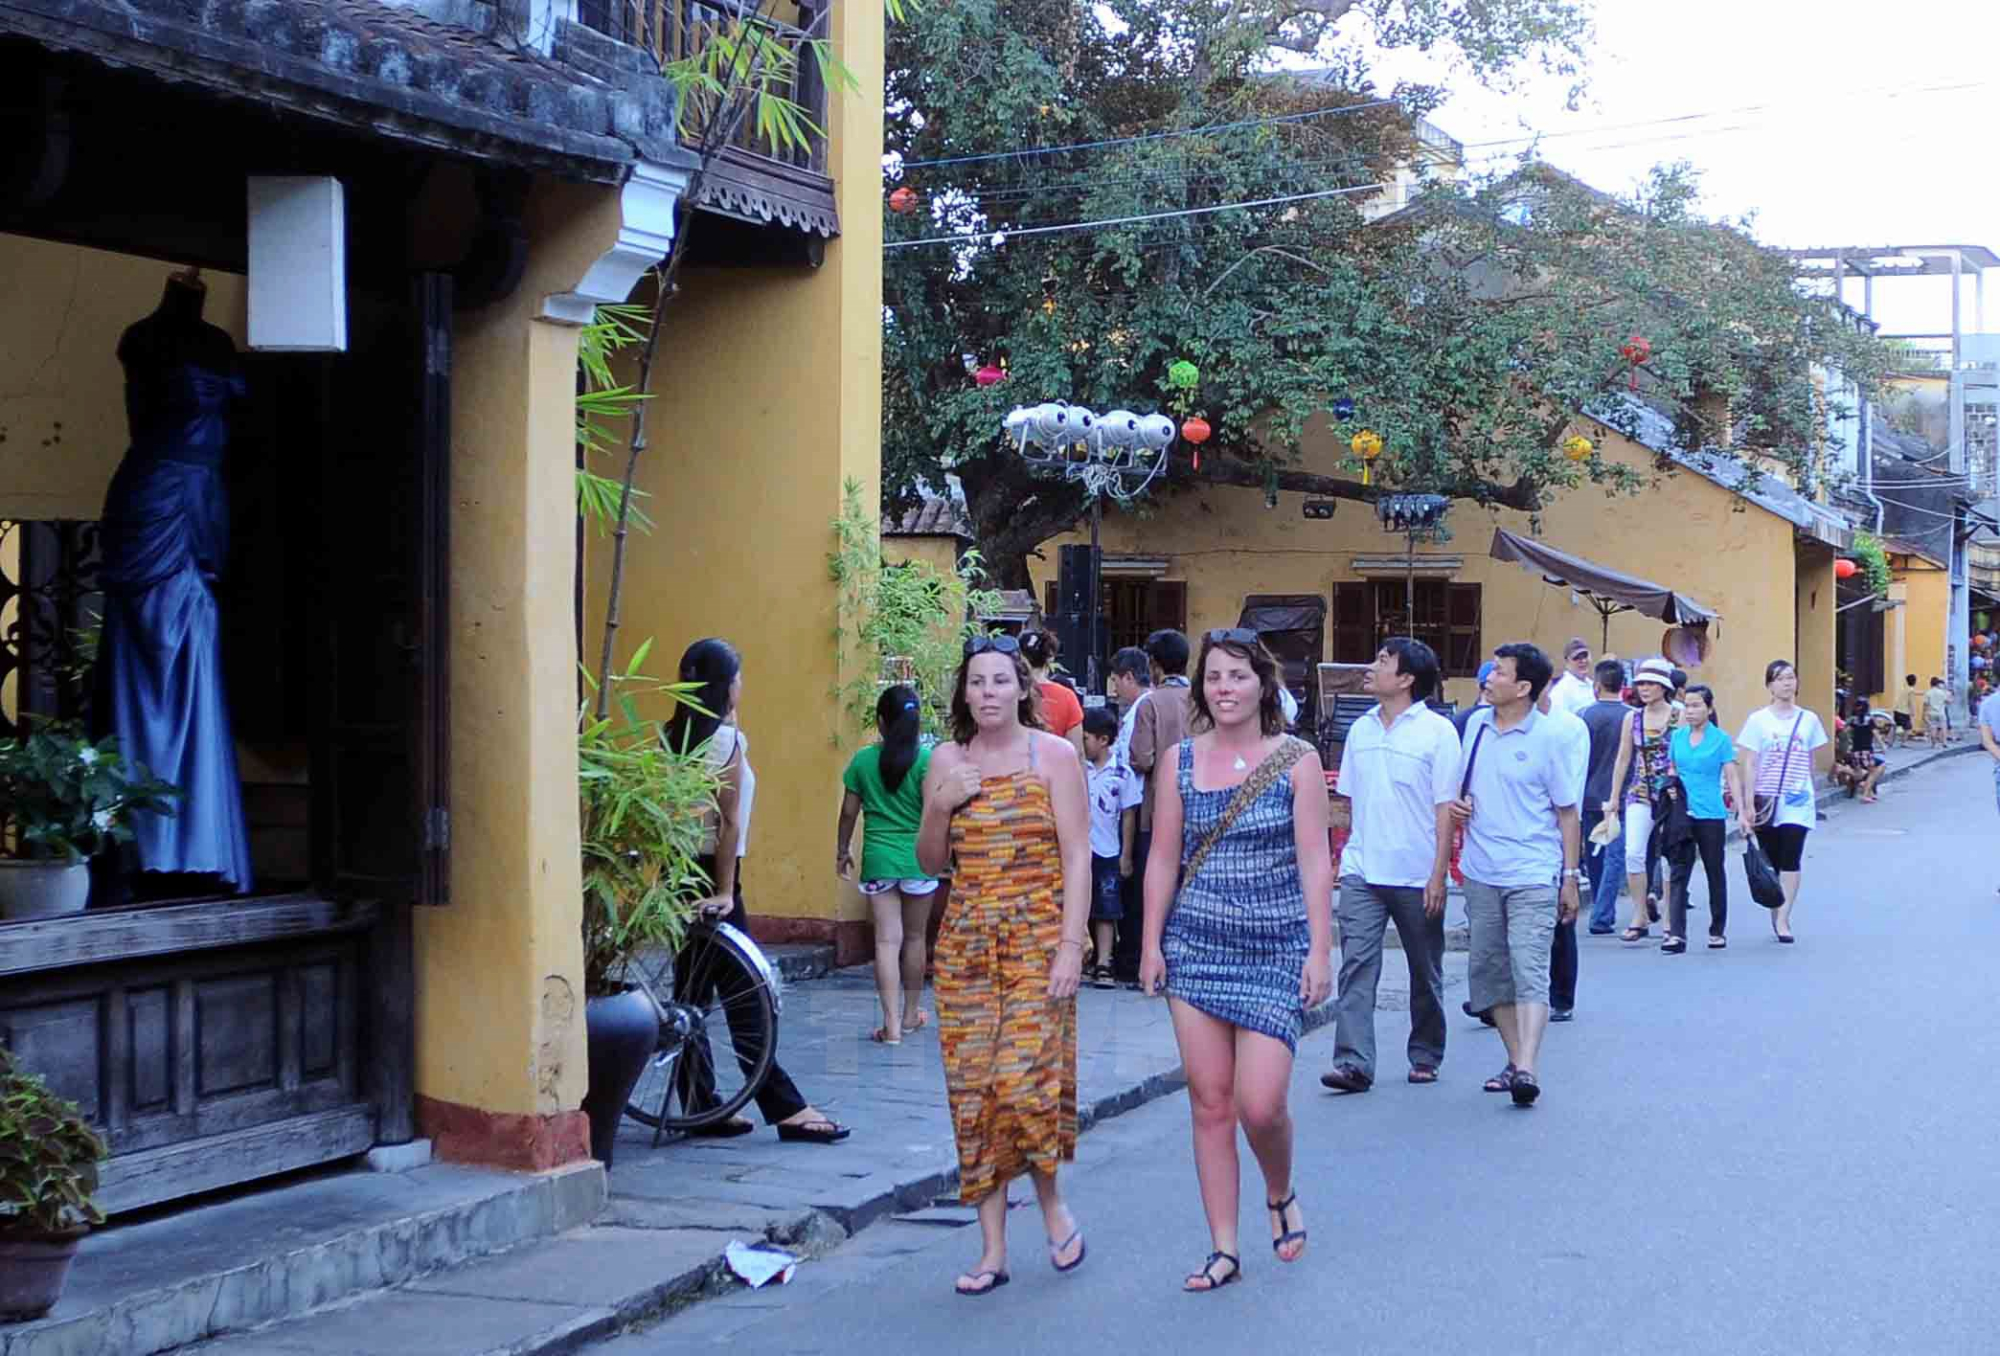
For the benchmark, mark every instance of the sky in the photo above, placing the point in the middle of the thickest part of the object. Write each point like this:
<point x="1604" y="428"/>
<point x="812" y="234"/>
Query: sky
<point x="1832" y="122"/>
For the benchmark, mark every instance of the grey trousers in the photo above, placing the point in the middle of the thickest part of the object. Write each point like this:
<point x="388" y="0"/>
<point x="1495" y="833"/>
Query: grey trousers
<point x="1365" y="913"/>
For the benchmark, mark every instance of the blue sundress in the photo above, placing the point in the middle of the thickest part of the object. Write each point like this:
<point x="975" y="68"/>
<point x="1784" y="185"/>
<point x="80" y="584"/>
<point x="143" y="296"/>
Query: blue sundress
<point x="1237" y="938"/>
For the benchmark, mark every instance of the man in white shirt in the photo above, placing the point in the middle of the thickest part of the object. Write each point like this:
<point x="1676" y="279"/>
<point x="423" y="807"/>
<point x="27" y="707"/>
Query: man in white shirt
<point x="1574" y="689"/>
<point x="1131" y="682"/>
<point x="1399" y="769"/>
<point x="1518" y="792"/>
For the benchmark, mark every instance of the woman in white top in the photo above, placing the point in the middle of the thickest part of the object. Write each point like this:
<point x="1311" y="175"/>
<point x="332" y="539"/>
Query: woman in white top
<point x="1777" y="746"/>
<point x="715" y="665"/>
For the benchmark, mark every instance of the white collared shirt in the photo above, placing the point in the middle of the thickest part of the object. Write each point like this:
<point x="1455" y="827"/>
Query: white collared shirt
<point x="1520" y="777"/>
<point x="1571" y="693"/>
<point x="1397" y="775"/>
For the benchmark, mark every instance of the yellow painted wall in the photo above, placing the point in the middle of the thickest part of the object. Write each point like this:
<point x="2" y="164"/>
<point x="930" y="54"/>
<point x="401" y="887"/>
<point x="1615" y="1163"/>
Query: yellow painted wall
<point x="1926" y="614"/>
<point x="500" y="971"/>
<point x="768" y="398"/>
<point x="62" y="398"/>
<point x="1685" y="531"/>
<point x="1815" y="597"/>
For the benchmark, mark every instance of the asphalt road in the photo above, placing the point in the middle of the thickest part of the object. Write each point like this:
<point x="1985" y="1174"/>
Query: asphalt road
<point x="1765" y="1149"/>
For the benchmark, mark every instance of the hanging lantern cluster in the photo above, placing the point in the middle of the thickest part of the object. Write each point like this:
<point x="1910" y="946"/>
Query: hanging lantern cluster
<point x="1411" y="512"/>
<point x="1118" y="453"/>
<point x="1367" y="445"/>
<point x="1635" y="351"/>
<point x="903" y="201"/>
<point x="1845" y="568"/>
<point x="1577" y="447"/>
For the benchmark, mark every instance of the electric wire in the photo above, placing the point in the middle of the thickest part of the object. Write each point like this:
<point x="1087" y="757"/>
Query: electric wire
<point x="1211" y="130"/>
<point x="985" y="236"/>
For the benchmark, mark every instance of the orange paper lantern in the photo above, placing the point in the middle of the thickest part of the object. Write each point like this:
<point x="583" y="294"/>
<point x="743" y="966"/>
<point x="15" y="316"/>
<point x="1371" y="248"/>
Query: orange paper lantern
<point x="1196" y="430"/>
<point x="903" y="201"/>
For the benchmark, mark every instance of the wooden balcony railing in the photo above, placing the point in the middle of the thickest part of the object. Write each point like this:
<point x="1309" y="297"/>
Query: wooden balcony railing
<point x="673" y="30"/>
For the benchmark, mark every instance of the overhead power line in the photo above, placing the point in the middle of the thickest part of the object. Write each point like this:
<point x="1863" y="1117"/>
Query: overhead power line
<point x="985" y="236"/>
<point x="1208" y="131"/>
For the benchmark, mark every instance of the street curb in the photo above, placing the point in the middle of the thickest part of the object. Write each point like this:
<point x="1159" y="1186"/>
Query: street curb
<point x="819" y="1229"/>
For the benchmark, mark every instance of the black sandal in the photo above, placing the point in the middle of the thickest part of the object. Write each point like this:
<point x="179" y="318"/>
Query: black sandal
<point x="993" y="1281"/>
<point x="1525" y="1089"/>
<point x="1673" y="946"/>
<point x="1633" y="934"/>
<point x="1207" y="1273"/>
<point x="1502" y="1081"/>
<point x="1279" y="1243"/>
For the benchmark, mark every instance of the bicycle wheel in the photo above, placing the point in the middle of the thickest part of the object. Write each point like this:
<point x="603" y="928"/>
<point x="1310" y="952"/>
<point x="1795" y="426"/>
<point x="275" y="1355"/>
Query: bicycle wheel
<point x="719" y="1001"/>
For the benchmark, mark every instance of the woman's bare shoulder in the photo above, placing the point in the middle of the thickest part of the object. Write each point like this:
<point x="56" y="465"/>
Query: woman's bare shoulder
<point x="946" y="756"/>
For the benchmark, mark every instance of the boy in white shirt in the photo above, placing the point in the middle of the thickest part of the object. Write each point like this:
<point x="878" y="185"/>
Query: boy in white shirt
<point x="1115" y="793"/>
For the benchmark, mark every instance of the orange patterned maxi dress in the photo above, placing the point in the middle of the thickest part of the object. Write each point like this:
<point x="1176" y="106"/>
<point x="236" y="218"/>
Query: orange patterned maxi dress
<point x="1009" y="1049"/>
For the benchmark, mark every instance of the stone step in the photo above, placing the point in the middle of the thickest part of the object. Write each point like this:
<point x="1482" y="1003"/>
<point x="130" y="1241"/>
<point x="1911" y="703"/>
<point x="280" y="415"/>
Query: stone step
<point x="158" y="1283"/>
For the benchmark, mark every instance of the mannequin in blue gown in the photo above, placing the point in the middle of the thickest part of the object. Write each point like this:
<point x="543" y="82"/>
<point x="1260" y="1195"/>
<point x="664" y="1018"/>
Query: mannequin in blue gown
<point x="164" y="537"/>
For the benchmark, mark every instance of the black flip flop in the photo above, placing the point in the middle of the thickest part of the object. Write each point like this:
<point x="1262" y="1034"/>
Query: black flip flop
<point x="1081" y="1252"/>
<point x="994" y="1280"/>
<point x="1207" y="1273"/>
<point x="814" y="1132"/>
<point x="1673" y="946"/>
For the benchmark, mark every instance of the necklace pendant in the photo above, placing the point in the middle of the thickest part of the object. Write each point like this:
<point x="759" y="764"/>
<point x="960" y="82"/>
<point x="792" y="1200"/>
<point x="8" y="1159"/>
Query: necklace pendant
<point x="1240" y="764"/>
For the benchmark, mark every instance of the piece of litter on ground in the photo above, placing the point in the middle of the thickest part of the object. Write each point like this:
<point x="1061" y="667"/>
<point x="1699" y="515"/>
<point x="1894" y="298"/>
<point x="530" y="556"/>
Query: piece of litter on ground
<point x="757" y="1264"/>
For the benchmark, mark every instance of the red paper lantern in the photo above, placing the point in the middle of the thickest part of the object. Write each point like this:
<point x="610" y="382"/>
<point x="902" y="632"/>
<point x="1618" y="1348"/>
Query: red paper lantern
<point x="1844" y="569"/>
<point x="903" y="201"/>
<point x="1636" y="350"/>
<point x="1196" y="431"/>
<point x="989" y="375"/>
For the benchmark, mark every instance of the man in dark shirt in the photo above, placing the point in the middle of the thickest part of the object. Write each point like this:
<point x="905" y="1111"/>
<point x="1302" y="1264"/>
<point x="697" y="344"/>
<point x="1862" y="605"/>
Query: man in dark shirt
<point x="1606" y="718"/>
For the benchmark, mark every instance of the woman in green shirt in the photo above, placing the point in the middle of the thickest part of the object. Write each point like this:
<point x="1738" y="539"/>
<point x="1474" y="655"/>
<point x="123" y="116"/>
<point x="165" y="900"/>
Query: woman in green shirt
<point x="886" y="781"/>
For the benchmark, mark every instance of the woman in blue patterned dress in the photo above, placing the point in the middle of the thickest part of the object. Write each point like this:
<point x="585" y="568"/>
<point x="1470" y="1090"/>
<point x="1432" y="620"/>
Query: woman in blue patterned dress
<point x="1240" y="819"/>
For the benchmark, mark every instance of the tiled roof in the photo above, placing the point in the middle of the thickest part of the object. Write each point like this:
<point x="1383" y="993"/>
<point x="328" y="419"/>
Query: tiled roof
<point x="391" y="71"/>
<point x="936" y="516"/>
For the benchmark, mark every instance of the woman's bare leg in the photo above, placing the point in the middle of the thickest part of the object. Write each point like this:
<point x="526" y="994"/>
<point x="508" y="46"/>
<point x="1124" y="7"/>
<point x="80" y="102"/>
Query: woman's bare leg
<point x="888" y="910"/>
<point x="1056" y="1218"/>
<point x="1208" y="1053"/>
<point x="992" y="1239"/>
<point x="1263" y="1086"/>
<point x="916" y="929"/>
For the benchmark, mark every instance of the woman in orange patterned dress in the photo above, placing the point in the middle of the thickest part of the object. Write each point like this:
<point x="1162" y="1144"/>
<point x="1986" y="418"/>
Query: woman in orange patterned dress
<point x="1005" y="814"/>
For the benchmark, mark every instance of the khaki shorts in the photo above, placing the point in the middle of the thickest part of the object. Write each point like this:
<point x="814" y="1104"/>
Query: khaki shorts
<point x="1513" y="929"/>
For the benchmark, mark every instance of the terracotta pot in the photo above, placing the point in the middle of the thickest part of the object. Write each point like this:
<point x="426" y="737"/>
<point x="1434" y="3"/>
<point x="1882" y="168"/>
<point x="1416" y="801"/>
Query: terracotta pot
<point x="32" y="1272"/>
<point x="43" y="889"/>
<point x="620" y="1032"/>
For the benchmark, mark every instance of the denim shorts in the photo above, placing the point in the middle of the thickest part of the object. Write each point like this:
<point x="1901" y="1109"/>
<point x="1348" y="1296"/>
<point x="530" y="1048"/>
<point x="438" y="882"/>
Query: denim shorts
<point x="1107" y="892"/>
<point x="915" y="888"/>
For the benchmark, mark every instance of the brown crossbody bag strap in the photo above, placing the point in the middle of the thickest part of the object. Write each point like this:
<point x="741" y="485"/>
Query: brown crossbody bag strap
<point x="1279" y="764"/>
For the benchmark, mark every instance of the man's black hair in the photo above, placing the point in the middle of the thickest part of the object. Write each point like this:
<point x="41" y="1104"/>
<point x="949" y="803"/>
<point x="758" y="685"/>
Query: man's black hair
<point x="1530" y="666"/>
<point x="1132" y="661"/>
<point x="1171" y="651"/>
<point x="1415" y="660"/>
<point x="1609" y="674"/>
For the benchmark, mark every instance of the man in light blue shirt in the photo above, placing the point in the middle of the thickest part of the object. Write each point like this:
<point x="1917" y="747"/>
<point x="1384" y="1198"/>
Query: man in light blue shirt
<point x="1519" y="784"/>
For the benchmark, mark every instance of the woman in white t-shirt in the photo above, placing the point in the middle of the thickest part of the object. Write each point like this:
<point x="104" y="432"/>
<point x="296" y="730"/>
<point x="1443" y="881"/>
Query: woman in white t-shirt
<point x="1777" y="746"/>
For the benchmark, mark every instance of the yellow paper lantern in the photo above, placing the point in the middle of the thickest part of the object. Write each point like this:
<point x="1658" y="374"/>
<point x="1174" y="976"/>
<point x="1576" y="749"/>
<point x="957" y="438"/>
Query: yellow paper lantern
<point x="1367" y="445"/>
<point x="1576" y="447"/>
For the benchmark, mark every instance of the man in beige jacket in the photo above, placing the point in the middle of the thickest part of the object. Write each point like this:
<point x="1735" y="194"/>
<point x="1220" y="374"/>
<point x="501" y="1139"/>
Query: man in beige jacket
<point x="1157" y="731"/>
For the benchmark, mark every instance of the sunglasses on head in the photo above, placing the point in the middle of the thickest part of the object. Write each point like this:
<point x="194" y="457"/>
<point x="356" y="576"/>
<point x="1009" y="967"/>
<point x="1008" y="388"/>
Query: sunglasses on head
<point x="1234" y="635"/>
<point x="992" y="644"/>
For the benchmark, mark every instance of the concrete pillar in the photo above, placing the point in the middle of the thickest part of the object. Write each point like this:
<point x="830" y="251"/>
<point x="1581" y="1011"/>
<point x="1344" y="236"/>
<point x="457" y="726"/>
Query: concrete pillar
<point x="768" y="402"/>
<point x="1814" y="658"/>
<point x="500" y="1041"/>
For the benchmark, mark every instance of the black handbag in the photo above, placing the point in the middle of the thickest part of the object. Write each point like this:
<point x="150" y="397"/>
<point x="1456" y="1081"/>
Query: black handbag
<point x="1764" y="886"/>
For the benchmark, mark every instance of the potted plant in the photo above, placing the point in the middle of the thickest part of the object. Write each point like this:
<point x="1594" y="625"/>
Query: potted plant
<point x="48" y="1174"/>
<point x="643" y="809"/>
<point x="66" y="799"/>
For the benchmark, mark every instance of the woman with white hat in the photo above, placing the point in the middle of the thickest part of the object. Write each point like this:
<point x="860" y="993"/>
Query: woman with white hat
<point x="1645" y="749"/>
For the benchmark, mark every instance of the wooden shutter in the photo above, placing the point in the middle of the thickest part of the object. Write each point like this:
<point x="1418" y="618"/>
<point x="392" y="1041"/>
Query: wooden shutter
<point x="1353" y="623"/>
<point x="1462" y="650"/>
<point x="382" y="824"/>
<point x="1166" y="606"/>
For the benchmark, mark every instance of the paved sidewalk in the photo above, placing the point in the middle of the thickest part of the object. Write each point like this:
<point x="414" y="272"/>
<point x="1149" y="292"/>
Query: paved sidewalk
<point x="658" y="1246"/>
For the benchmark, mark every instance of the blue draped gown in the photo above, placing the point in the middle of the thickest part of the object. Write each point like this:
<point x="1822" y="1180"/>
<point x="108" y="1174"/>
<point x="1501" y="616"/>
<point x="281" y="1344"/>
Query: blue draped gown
<point x="164" y="537"/>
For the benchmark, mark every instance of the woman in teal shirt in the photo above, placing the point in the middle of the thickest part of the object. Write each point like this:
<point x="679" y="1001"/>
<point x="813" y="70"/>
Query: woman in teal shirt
<point x="885" y="782"/>
<point x="1705" y="761"/>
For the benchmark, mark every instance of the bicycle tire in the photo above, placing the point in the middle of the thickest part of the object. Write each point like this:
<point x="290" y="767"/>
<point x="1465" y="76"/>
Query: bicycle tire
<point x="724" y="958"/>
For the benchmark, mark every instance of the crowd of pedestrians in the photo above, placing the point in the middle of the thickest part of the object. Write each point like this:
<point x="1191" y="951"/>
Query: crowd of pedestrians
<point x="1176" y="840"/>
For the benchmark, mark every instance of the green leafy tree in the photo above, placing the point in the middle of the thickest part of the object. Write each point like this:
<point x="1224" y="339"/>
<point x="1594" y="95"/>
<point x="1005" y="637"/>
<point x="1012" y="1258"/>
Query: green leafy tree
<point x="1468" y="329"/>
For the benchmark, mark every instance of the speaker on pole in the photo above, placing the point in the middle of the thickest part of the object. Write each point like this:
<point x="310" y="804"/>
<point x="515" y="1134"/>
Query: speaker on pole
<point x="1075" y="607"/>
